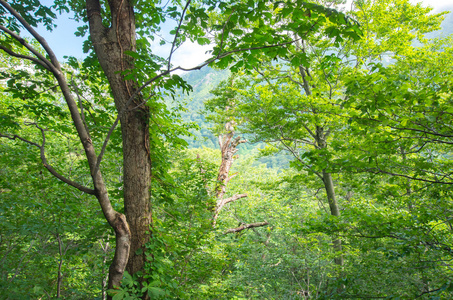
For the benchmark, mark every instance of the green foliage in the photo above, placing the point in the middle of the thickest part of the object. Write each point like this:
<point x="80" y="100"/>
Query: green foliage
<point x="385" y="147"/>
<point x="382" y="105"/>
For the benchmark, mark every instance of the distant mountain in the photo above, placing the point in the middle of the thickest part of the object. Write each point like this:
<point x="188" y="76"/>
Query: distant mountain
<point x="206" y="79"/>
<point x="202" y="82"/>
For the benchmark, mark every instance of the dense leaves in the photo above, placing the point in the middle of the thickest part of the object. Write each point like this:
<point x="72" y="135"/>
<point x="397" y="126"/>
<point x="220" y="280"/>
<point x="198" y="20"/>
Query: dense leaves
<point x="350" y="114"/>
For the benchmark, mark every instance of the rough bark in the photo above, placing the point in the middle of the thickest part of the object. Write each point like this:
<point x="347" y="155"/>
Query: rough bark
<point x="228" y="150"/>
<point x="110" y="46"/>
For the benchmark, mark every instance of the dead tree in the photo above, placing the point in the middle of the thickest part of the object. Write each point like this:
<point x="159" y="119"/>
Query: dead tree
<point x="228" y="147"/>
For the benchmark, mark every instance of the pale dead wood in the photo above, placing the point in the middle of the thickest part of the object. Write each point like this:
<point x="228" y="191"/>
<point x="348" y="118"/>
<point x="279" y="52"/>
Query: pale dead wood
<point x="246" y="226"/>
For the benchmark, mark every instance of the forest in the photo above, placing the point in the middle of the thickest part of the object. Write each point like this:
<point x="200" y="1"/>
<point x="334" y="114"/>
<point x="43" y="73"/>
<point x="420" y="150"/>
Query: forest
<point x="309" y="157"/>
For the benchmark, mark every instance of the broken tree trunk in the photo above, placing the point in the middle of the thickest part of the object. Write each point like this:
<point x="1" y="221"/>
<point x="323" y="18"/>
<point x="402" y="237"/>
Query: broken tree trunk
<point x="228" y="147"/>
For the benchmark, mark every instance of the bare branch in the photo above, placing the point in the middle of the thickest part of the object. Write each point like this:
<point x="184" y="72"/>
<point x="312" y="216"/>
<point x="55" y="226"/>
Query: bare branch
<point x="234" y="198"/>
<point x="177" y="34"/>
<point x="221" y="203"/>
<point x="246" y="226"/>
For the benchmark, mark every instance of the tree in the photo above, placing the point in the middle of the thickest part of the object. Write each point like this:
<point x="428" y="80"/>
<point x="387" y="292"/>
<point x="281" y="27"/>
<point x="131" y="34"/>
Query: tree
<point x="121" y="58"/>
<point x="296" y="102"/>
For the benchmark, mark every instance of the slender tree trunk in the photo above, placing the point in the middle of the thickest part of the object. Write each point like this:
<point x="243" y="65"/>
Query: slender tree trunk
<point x="408" y="183"/>
<point x="105" y="249"/>
<point x="60" y="264"/>
<point x="334" y="211"/>
<point x="321" y="136"/>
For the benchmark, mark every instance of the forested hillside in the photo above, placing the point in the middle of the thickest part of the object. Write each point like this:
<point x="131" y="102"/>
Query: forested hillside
<point x="309" y="158"/>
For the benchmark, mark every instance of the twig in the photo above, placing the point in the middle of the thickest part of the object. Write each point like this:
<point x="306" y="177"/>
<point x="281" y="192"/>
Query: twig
<point x="177" y="34"/>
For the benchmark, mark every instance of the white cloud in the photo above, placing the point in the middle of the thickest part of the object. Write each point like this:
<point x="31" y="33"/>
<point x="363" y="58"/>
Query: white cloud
<point x="190" y="55"/>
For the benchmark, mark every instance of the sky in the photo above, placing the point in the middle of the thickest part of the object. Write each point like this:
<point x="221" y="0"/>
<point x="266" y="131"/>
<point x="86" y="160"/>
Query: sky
<point x="63" y="41"/>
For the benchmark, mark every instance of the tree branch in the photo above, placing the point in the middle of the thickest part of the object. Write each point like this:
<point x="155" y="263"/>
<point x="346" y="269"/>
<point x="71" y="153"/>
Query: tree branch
<point x="234" y="198"/>
<point x="246" y="226"/>
<point x="44" y="159"/>
<point x="221" y="203"/>
<point x="33" y="59"/>
<point x="53" y="59"/>
<point x="177" y="33"/>
<point x="21" y="40"/>
<point x="379" y="170"/>
<point x="82" y="114"/>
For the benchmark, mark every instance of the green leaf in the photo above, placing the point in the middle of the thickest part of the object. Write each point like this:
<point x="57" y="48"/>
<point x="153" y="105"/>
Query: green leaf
<point x="155" y="292"/>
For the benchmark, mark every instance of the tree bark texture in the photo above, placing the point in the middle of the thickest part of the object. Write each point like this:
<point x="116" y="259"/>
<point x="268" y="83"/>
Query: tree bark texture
<point x="110" y="45"/>
<point x="228" y="150"/>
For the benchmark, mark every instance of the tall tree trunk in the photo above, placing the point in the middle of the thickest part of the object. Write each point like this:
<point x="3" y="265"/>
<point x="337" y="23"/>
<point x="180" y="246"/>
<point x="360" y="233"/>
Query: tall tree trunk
<point x="334" y="211"/>
<point x="60" y="264"/>
<point x="110" y="46"/>
<point x="321" y="136"/>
